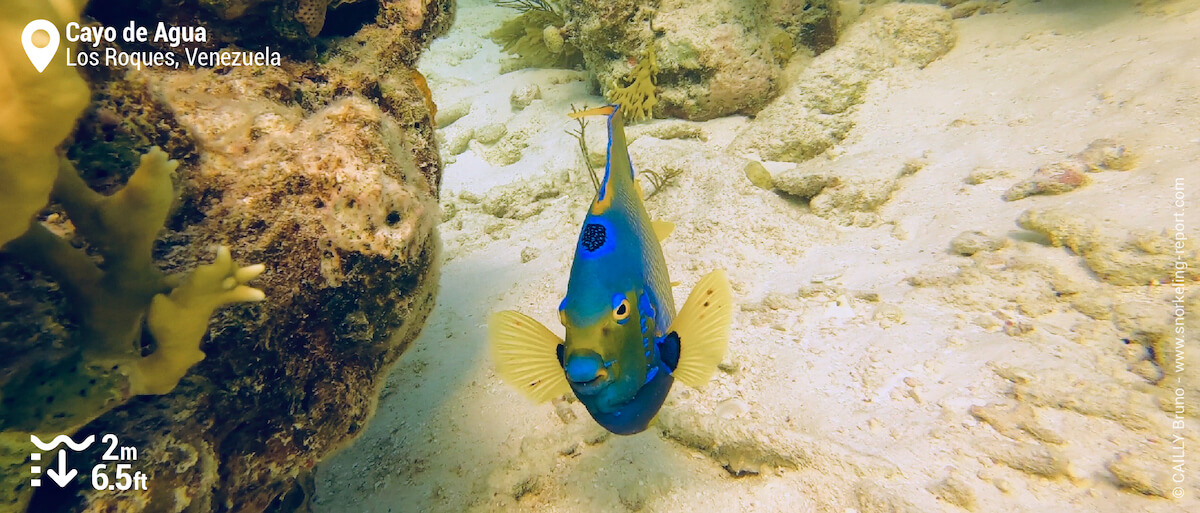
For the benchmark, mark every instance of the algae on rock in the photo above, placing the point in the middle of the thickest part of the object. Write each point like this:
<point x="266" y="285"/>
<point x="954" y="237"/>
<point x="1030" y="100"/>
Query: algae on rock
<point x="334" y="182"/>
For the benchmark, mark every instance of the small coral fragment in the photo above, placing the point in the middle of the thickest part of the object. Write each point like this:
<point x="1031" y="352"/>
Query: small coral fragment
<point x="1070" y="174"/>
<point x="1029" y="457"/>
<point x="1056" y="178"/>
<point x="805" y="183"/>
<point x="1107" y="154"/>
<point x="983" y="174"/>
<point x="759" y="176"/>
<point x="638" y="97"/>
<point x="523" y="96"/>
<point x="970" y="242"/>
<point x="1141" y="472"/>
<point x="956" y="491"/>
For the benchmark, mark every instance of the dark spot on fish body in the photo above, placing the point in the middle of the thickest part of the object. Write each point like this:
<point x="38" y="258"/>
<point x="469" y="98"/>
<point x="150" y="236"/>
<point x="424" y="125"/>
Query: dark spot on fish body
<point x="668" y="349"/>
<point x="393" y="217"/>
<point x="593" y="237"/>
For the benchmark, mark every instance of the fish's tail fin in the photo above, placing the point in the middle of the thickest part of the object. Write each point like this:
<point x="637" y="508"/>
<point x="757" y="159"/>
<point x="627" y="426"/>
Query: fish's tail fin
<point x="703" y="326"/>
<point x="526" y="355"/>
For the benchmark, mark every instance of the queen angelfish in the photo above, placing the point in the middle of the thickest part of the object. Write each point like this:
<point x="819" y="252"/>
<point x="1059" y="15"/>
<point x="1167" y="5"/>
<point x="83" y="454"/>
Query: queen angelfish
<point x="625" y="345"/>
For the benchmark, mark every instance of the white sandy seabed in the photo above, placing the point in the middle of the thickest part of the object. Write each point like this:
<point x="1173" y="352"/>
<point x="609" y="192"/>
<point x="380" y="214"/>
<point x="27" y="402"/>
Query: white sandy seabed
<point x="872" y="368"/>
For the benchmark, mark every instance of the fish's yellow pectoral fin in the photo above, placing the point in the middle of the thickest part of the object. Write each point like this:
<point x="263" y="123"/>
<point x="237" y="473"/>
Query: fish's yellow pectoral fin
<point x="526" y="355"/>
<point x="662" y="229"/>
<point x="703" y="328"/>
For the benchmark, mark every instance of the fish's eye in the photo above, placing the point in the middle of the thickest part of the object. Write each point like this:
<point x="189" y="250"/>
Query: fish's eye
<point x="621" y="308"/>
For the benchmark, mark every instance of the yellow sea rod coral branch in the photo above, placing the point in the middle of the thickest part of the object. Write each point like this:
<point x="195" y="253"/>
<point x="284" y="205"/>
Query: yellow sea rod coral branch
<point x="179" y="320"/>
<point x="122" y="226"/>
<point x="38" y="109"/>
<point x="637" y="100"/>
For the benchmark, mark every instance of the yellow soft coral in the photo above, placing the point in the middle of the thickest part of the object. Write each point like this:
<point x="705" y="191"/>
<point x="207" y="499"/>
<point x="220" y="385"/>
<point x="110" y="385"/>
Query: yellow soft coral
<point x="38" y="109"/>
<point x="536" y="38"/>
<point x="637" y="99"/>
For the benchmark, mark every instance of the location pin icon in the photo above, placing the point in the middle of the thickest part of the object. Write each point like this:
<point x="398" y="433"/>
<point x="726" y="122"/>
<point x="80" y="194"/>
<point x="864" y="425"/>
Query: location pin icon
<point x="40" y="56"/>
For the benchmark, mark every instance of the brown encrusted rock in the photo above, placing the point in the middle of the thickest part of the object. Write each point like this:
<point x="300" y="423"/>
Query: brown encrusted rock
<point x="326" y="173"/>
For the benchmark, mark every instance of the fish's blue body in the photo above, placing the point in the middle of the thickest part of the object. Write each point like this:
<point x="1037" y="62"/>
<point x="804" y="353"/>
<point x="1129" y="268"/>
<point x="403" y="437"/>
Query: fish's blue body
<point x="625" y="343"/>
<point x="618" y="303"/>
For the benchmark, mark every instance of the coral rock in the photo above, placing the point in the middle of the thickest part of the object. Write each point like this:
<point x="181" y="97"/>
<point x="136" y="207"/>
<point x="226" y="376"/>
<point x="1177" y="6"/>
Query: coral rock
<point x="1116" y="257"/>
<point x="716" y="57"/>
<point x="816" y="112"/>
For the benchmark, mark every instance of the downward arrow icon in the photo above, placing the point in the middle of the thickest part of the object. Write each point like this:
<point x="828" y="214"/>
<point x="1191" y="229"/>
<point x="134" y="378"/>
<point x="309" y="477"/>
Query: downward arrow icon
<point x="62" y="477"/>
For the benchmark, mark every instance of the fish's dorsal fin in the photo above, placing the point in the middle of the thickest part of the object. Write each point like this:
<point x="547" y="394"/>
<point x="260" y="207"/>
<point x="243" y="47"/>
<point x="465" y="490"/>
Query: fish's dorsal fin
<point x="526" y="355"/>
<point x="605" y="110"/>
<point x="662" y="229"/>
<point x="703" y="329"/>
<point x="618" y="170"/>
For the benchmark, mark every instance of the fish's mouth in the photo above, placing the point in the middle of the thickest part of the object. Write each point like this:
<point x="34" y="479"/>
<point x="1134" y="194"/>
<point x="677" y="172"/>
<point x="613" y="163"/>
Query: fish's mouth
<point x="591" y="386"/>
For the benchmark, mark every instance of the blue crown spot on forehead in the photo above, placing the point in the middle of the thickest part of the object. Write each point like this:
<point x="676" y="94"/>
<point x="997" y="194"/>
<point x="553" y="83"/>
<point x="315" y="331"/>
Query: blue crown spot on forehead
<point x="597" y="238"/>
<point x="593" y="236"/>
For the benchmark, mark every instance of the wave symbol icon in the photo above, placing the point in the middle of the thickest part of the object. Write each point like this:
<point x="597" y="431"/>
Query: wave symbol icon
<point x="62" y="439"/>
